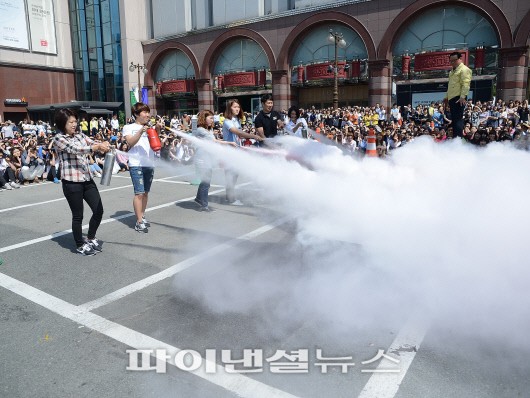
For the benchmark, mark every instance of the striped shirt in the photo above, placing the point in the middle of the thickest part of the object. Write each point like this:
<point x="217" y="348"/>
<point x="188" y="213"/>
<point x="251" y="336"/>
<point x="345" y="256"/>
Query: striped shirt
<point x="72" y="151"/>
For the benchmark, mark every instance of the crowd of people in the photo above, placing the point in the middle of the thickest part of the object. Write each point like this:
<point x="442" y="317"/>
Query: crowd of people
<point x="72" y="151"/>
<point x="27" y="155"/>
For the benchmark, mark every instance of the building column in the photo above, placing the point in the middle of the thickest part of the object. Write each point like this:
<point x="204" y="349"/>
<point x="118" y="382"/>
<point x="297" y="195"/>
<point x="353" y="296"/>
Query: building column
<point x="204" y="94"/>
<point x="379" y="83"/>
<point x="512" y="83"/>
<point x="281" y="90"/>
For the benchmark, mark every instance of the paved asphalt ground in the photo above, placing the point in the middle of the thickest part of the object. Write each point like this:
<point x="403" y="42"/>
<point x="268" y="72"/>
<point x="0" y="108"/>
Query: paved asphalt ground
<point x="67" y="321"/>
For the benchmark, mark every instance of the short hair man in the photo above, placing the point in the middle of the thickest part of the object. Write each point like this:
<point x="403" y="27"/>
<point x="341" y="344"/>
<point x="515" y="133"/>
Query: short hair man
<point x="268" y="121"/>
<point x="457" y="90"/>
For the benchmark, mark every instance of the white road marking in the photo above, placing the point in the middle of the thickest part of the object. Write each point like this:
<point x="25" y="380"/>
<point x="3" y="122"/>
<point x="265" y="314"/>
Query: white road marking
<point x="181" y="266"/>
<point x="404" y="347"/>
<point x="106" y="221"/>
<point x="237" y="383"/>
<point x="55" y="200"/>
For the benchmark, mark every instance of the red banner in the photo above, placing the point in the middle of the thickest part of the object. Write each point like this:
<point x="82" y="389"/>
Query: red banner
<point x="435" y="60"/>
<point x="323" y="71"/>
<point x="177" y="86"/>
<point x="240" y="79"/>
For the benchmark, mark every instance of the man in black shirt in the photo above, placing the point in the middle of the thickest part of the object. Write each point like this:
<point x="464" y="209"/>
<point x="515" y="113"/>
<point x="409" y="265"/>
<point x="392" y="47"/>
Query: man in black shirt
<point x="268" y="121"/>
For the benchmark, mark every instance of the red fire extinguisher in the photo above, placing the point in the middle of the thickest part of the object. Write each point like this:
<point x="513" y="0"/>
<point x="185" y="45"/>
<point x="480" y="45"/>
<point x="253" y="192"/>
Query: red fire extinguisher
<point x="154" y="140"/>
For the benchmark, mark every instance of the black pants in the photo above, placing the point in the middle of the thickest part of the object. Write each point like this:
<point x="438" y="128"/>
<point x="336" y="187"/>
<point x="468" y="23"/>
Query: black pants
<point x="457" y="117"/>
<point x="52" y="174"/>
<point x="7" y="176"/>
<point x="75" y="193"/>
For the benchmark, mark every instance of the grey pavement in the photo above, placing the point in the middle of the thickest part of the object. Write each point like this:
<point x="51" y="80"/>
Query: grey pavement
<point x="59" y="338"/>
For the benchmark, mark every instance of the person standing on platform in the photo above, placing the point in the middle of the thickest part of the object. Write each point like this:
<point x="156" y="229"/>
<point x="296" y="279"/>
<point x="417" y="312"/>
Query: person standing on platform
<point x="457" y="90"/>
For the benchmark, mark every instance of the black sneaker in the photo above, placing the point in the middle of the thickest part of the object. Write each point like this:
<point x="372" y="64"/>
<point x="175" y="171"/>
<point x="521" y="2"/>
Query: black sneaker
<point x="95" y="244"/>
<point x="198" y="202"/>
<point x="146" y="223"/>
<point x="140" y="227"/>
<point x="86" y="250"/>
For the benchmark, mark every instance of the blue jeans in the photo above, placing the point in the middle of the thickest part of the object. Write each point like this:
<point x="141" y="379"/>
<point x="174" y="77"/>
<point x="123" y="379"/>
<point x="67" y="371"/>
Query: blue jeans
<point x="142" y="178"/>
<point x="205" y="175"/>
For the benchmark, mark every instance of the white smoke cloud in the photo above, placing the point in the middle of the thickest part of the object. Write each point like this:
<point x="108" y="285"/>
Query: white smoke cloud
<point x="438" y="229"/>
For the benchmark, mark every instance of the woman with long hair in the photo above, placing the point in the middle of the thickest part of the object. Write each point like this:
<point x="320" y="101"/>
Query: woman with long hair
<point x="232" y="132"/>
<point x="78" y="184"/>
<point x="203" y="161"/>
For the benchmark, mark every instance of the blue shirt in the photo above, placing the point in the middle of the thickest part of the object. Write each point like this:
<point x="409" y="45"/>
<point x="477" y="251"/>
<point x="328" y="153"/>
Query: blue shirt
<point x="227" y="134"/>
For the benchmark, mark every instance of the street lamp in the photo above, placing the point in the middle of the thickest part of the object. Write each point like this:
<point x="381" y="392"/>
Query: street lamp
<point x="337" y="39"/>
<point x="142" y="68"/>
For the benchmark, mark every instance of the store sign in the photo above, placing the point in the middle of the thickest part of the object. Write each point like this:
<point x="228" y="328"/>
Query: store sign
<point x="435" y="60"/>
<point x="240" y="79"/>
<point x="176" y="86"/>
<point x="15" y="102"/>
<point x="323" y="71"/>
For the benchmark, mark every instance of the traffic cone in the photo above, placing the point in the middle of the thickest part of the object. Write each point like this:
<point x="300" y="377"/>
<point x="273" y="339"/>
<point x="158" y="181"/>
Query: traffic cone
<point x="371" y="149"/>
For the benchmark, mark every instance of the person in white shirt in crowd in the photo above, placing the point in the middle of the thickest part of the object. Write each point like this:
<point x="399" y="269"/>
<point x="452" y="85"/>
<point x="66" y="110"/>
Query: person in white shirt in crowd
<point x="7" y="130"/>
<point x="7" y="173"/>
<point x="141" y="161"/>
<point x="175" y="123"/>
<point x="115" y="124"/>
<point x="295" y="124"/>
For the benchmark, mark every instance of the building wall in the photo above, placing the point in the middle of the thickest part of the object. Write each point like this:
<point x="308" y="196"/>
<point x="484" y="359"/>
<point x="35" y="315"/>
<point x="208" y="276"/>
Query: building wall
<point x="380" y="21"/>
<point x="39" y="78"/>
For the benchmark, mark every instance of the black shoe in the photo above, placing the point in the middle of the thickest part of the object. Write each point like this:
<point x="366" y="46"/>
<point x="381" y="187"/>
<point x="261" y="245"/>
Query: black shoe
<point x="198" y="202"/>
<point x="207" y="209"/>
<point x="86" y="250"/>
<point x="95" y="244"/>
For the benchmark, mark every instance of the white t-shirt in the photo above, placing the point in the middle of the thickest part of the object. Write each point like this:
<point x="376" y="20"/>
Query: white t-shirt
<point x="141" y="154"/>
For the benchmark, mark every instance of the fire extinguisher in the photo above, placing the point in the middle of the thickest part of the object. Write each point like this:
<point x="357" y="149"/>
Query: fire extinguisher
<point x="154" y="140"/>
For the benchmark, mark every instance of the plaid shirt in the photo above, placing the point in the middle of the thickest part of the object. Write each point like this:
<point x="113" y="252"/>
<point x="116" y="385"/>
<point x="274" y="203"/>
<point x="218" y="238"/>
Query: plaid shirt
<point x="72" y="151"/>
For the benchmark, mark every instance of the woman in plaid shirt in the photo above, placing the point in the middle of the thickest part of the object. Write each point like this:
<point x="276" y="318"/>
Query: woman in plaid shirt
<point x="78" y="184"/>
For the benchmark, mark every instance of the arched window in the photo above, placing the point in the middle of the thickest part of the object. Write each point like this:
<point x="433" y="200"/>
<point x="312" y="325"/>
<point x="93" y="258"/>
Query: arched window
<point x="174" y="66"/>
<point x="315" y="47"/>
<point x="240" y="56"/>
<point x="443" y="28"/>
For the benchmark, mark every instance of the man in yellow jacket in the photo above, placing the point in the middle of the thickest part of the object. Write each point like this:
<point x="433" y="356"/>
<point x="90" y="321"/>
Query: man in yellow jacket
<point x="457" y="90"/>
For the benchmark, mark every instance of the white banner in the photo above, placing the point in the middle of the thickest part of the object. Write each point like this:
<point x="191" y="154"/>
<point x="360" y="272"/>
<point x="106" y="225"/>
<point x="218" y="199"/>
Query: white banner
<point x="13" y="26"/>
<point x="42" y="26"/>
<point x="425" y="99"/>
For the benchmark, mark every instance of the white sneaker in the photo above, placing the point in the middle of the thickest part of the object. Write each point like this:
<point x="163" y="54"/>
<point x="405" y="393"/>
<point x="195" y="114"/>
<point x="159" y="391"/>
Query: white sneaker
<point x="146" y="223"/>
<point x="237" y="203"/>
<point x="14" y="185"/>
<point x="8" y="187"/>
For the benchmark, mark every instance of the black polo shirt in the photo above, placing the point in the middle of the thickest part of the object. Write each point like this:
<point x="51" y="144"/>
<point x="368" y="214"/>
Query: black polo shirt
<point x="268" y="122"/>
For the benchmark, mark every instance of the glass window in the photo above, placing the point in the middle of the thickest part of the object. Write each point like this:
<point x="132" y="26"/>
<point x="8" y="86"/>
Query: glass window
<point x="445" y="28"/>
<point x="315" y="47"/>
<point x="241" y="55"/>
<point x="175" y="65"/>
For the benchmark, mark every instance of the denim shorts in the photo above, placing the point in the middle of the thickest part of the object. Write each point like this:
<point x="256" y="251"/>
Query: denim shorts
<point x="142" y="177"/>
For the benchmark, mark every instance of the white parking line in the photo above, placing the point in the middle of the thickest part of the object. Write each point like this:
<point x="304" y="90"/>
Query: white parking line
<point x="181" y="266"/>
<point x="106" y="221"/>
<point x="405" y="346"/>
<point x="237" y="383"/>
<point x="55" y="200"/>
